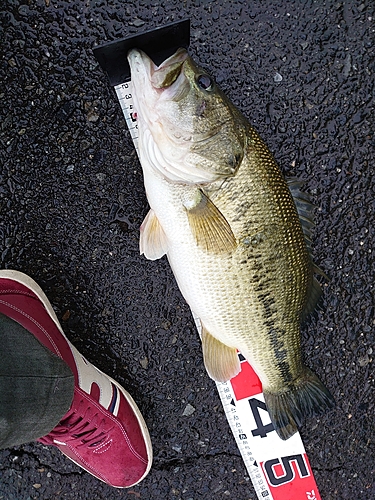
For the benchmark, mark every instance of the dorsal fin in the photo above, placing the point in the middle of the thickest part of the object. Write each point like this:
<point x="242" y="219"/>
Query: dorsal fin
<point x="304" y="208"/>
<point x="305" y="211"/>
<point x="313" y="297"/>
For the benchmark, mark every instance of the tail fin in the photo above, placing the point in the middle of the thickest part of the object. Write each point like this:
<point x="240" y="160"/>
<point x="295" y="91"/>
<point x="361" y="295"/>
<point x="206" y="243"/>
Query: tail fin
<point x="306" y="397"/>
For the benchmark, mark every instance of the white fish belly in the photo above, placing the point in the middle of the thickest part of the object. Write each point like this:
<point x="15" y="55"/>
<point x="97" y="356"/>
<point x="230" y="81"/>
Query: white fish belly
<point x="217" y="287"/>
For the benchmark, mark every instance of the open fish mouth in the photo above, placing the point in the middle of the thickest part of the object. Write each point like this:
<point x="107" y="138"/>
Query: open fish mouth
<point x="168" y="72"/>
<point x="158" y="77"/>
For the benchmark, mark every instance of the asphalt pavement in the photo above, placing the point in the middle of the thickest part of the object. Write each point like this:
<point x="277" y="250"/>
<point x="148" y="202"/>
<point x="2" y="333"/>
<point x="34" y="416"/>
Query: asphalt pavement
<point x="72" y="201"/>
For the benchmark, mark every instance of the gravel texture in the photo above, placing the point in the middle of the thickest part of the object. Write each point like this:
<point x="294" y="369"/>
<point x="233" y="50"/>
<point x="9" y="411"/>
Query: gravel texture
<point x="72" y="201"/>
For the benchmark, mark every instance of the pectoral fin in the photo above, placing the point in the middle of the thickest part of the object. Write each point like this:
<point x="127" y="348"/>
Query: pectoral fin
<point x="221" y="361"/>
<point x="153" y="241"/>
<point x="210" y="228"/>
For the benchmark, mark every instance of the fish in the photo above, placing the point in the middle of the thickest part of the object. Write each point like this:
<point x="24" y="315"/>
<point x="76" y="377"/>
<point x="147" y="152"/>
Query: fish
<point x="236" y="233"/>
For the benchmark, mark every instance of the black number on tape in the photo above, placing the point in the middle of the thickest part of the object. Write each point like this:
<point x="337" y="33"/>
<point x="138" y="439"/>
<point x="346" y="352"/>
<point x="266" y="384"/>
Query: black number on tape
<point x="288" y="471"/>
<point x="261" y="430"/>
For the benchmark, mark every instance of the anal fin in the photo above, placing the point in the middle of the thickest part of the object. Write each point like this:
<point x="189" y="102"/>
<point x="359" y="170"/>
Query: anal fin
<point x="153" y="241"/>
<point x="221" y="361"/>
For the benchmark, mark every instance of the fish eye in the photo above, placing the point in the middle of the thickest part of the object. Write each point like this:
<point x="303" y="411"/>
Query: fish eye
<point x="205" y="82"/>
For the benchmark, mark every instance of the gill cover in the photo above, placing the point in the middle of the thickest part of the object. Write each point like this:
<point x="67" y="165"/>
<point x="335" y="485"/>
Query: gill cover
<point x="189" y="130"/>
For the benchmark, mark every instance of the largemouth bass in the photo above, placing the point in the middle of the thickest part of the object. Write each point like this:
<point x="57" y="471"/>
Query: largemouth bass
<point x="236" y="235"/>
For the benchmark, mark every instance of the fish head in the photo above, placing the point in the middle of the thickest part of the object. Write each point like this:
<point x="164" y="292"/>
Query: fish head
<point x="190" y="132"/>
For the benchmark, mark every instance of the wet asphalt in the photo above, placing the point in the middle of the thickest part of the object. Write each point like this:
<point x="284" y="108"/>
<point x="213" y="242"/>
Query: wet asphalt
<point x="72" y="201"/>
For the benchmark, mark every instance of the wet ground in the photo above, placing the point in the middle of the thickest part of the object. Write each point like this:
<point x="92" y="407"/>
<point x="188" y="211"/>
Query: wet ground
<point x="72" y="200"/>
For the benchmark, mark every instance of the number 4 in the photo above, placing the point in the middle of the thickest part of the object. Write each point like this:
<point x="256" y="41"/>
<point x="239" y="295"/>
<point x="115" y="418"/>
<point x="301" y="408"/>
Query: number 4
<point x="261" y="430"/>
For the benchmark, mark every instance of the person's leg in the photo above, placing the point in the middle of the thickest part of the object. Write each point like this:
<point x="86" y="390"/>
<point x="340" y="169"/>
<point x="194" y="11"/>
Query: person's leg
<point x="36" y="386"/>
<point x="103" y="430"/>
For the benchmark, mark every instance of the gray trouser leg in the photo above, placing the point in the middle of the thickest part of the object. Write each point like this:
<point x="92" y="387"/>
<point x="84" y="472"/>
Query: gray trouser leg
<point x="36" y="386"/>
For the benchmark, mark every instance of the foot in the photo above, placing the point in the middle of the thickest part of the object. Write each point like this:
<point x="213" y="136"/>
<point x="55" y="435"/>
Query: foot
<point x="103" y="431"/>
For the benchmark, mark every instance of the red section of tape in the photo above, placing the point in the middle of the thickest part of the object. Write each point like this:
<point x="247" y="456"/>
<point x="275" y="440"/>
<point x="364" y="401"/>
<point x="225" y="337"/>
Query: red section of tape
<point x="291" y="478"/>
<point x="246" y="384"/>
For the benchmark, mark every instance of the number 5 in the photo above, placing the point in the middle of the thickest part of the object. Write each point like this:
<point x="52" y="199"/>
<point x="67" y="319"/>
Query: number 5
<point x="288" y="470"/>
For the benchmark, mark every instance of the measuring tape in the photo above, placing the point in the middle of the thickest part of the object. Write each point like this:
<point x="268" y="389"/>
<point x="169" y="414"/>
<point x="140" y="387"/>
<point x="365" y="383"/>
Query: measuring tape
<point x="279" y="470"/>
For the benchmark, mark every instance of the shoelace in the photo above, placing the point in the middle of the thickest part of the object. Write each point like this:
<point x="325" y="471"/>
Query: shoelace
<point x="81" y="426"/>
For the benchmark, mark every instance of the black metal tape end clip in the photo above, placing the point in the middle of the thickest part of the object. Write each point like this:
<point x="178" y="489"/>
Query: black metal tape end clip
<point x="159" y="44"/>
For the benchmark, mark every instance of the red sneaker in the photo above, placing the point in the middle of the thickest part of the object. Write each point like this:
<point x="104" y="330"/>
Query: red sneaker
<point x="104" y="431"/>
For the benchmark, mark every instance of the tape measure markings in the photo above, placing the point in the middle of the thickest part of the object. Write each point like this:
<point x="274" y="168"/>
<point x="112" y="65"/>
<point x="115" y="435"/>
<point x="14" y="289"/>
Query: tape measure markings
<point x="124" y="95"/>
